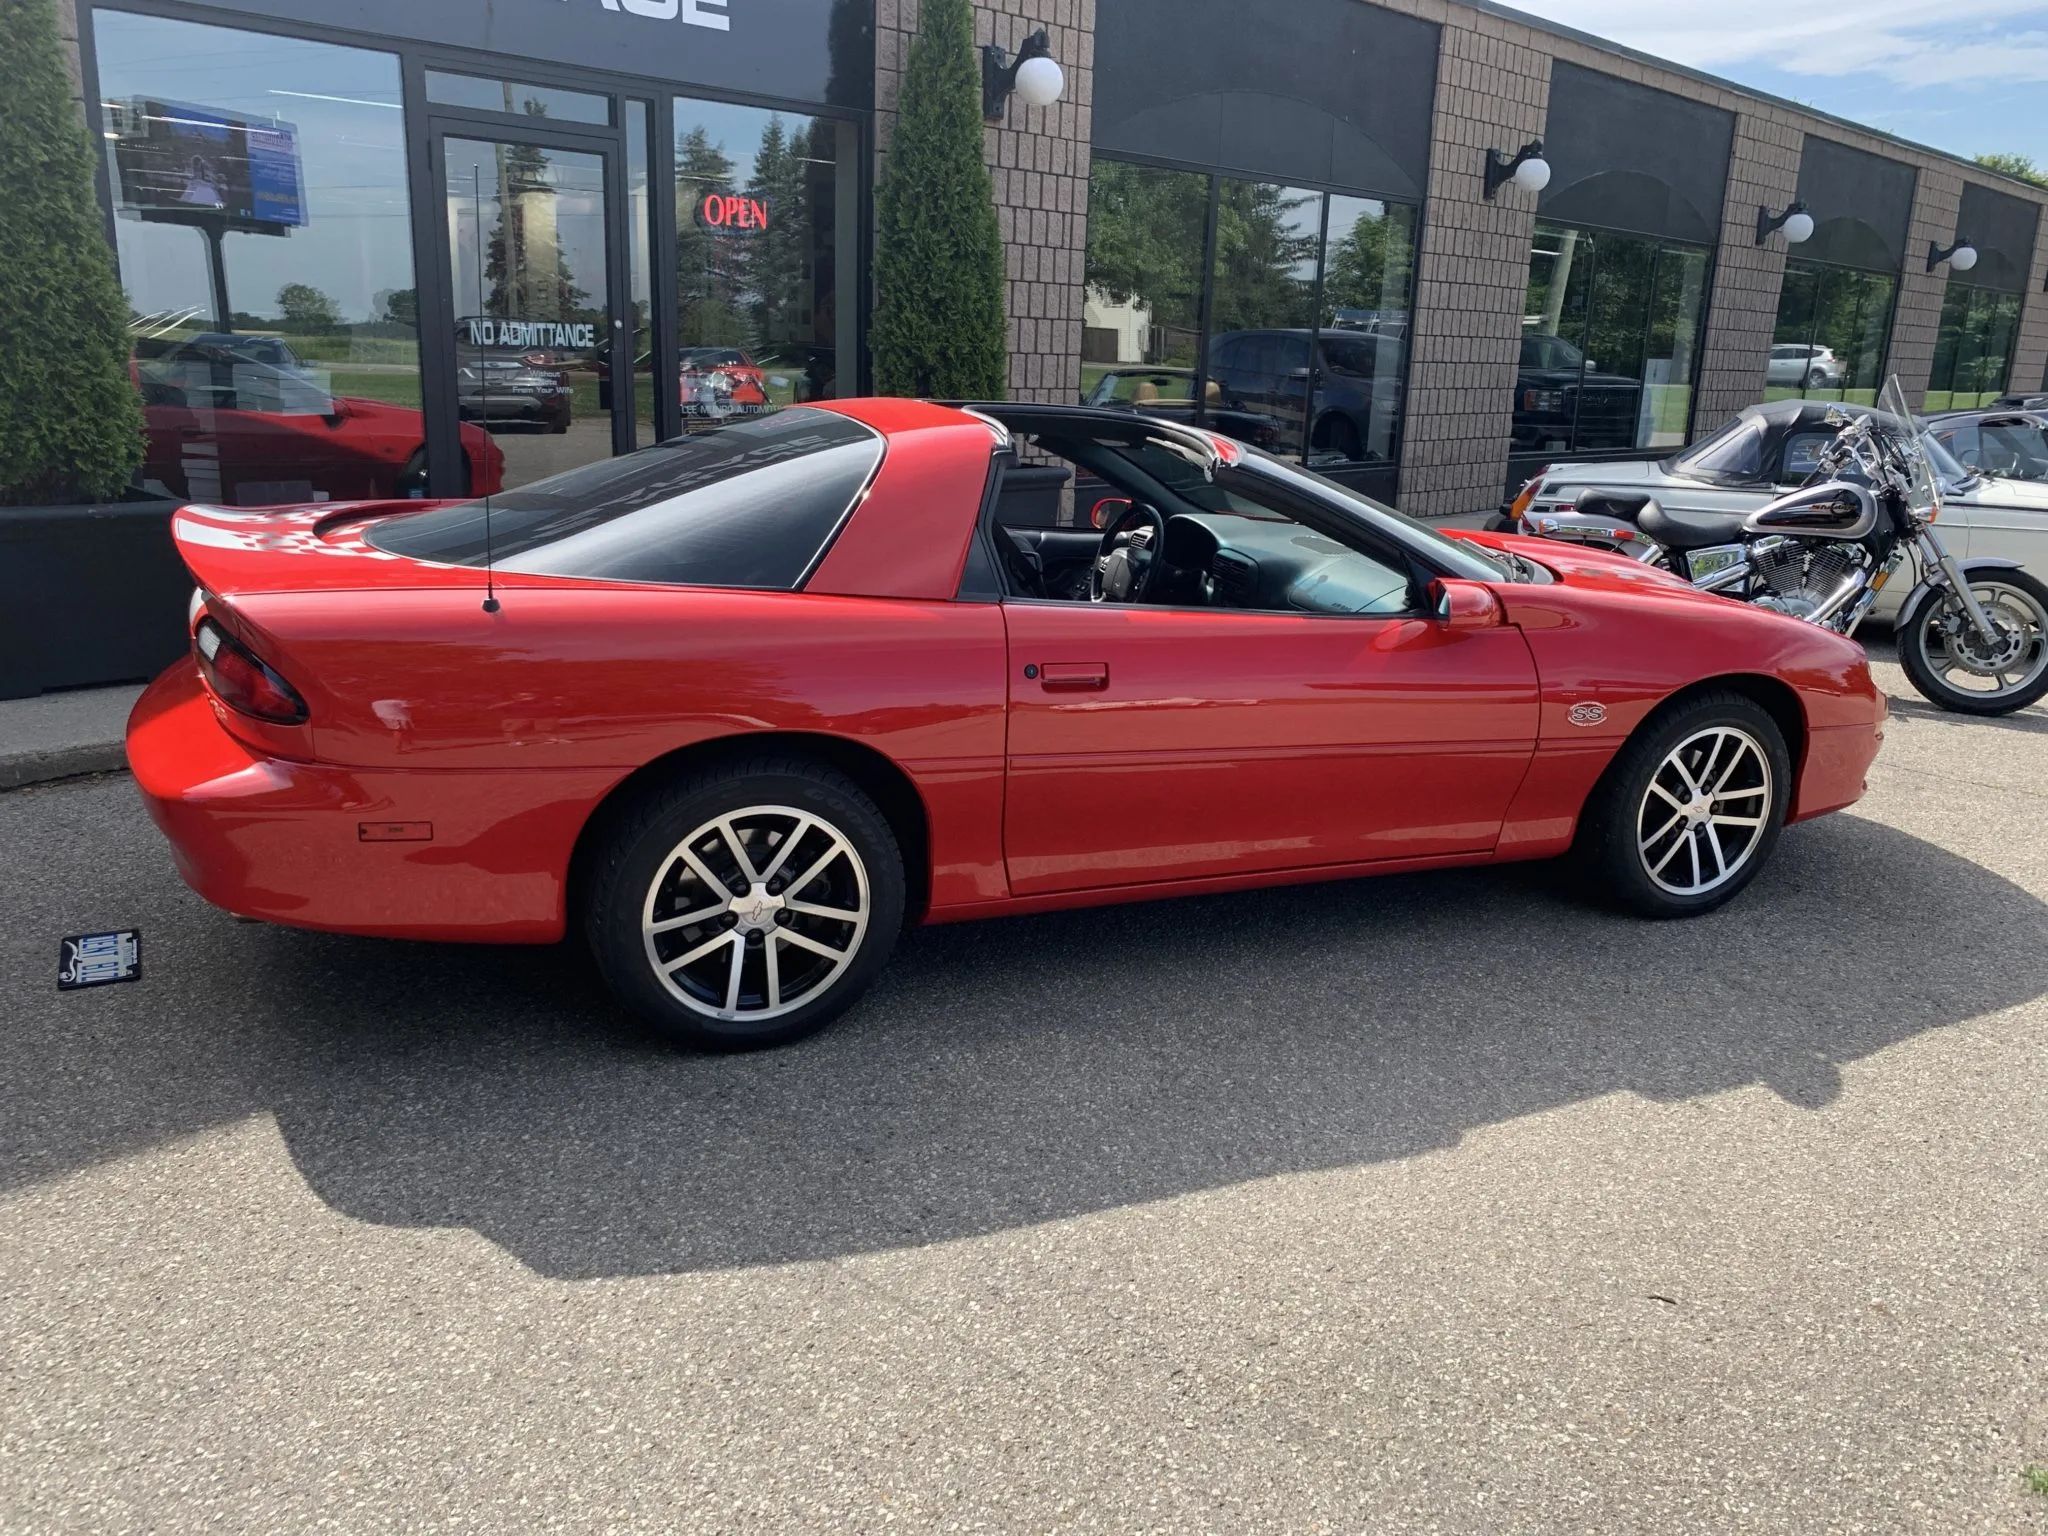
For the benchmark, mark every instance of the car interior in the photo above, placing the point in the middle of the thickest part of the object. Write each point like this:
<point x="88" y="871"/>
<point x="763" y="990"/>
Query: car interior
<point x="1150" y="523"/>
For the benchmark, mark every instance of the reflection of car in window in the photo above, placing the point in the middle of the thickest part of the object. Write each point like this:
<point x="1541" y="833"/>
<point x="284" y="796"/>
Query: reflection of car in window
<point x="1804" y="366"/>
<point x="244" y="421"/>
<point x="1562" y="399"/>
<point x="510" y="386"/>
<point x="1346" y="387"/>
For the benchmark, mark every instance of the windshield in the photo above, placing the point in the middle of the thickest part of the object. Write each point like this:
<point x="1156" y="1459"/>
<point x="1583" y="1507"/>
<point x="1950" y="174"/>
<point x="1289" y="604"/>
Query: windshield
<point x="1915" y="451"/>
<point x="1457" y="557"/>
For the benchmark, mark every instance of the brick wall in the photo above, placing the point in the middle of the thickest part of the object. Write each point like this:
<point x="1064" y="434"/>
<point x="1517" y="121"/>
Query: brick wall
<point x="1492" y="92"/>
<point x="1038" y="159"/>
<point x="1742" y="313"/>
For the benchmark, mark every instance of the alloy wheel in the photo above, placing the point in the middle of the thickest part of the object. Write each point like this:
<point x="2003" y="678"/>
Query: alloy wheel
<point x="755" y="913"/>
<point x="1704" y="812"/>
<point x="1960" y="656"/>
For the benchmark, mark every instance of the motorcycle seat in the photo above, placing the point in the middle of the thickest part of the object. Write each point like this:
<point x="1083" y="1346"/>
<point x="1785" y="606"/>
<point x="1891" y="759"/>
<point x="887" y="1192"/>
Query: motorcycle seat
<point x="1689" y="530"/>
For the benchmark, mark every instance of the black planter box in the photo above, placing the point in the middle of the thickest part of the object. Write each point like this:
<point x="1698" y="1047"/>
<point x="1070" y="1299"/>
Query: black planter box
<point x="89" y="596"/>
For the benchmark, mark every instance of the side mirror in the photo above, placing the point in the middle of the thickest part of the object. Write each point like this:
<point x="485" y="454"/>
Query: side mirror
<point x="1108" y="510"/>
<point x="1464" y="604"/>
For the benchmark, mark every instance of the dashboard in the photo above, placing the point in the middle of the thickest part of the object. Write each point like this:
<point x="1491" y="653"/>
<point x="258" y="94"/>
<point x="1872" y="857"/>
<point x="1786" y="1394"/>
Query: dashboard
<point x="1222" y="560"/>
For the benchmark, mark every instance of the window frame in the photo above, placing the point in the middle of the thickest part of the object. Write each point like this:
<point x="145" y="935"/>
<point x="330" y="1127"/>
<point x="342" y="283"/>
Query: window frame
<point x="1660" y="245"/>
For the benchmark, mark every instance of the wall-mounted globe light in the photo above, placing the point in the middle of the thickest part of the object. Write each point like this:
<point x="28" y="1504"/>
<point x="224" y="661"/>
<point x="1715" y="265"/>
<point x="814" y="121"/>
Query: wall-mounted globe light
<point x="1034" y="75"/>
<point x="1960" y="257"/>
<point x="1795" y="221"/>
<point x="1526" y="168"/>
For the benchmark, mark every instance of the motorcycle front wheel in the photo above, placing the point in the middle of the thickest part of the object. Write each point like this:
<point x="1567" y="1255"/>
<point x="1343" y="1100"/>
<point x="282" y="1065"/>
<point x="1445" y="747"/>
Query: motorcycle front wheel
<point x="1949" y="662"/>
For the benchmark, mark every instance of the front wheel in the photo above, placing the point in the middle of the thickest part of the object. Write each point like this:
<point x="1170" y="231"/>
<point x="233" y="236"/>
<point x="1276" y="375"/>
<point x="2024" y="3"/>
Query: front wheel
<point x="1948" y="661"/>
<point x="746" y="906"/>
<point x="1689" y="809"/>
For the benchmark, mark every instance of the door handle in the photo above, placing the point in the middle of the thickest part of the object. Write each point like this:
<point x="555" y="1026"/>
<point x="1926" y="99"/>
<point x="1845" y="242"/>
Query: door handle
<point x="1073" y="676"/>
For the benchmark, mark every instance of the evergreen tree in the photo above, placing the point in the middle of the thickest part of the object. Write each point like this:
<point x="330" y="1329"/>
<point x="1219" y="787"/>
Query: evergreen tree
<point x="938" y="325"/>
<point x="70" y="419"/>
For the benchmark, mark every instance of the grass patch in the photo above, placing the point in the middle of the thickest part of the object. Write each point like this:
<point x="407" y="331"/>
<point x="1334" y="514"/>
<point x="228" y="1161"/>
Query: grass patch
<point x="2036" y="1479"/>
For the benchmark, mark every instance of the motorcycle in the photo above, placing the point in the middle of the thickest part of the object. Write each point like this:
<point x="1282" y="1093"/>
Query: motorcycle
<point x="1972" y="635"/>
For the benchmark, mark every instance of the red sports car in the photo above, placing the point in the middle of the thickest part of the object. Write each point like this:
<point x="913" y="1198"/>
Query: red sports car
<point x="738" y="707"/>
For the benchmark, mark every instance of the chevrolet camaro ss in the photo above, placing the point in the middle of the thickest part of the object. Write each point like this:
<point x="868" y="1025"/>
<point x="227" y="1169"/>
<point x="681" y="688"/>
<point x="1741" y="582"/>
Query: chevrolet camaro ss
<point x="738" y="707"/>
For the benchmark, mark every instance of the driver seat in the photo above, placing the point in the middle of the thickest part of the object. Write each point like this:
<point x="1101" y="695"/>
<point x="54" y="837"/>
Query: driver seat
<point x="1689" y="530"/>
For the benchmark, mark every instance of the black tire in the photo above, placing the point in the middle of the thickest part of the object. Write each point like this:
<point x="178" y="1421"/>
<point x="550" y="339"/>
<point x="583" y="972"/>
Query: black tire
<point x="1609" y="848"/>
<point x="639" y="868"/>
<point x="1925" y="676"/>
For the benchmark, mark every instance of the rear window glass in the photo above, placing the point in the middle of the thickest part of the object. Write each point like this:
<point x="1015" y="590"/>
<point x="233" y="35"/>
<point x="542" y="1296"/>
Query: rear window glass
<point x="1736" y="452"/>
<point x="749" y="505"/>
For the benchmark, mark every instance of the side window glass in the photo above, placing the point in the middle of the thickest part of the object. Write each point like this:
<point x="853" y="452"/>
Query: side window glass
<point x="1964" y="444"/>
<point x="1802" y="453"/>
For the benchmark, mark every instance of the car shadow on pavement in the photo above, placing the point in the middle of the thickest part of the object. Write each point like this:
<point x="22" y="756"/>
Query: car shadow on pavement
<point x="2033" y="722"/>
<point x="1008" y="1073"/>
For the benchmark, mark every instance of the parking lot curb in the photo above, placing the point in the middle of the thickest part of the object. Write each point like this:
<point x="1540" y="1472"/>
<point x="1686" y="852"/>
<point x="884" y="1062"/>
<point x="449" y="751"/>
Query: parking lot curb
<point x="19" y="770"/>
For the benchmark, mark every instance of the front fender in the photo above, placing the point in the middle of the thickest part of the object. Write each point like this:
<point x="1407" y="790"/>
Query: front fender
<point x="1911" y="611"/>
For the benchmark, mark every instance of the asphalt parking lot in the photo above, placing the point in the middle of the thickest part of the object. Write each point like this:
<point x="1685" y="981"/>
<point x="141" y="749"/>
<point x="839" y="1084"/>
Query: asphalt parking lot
<point x="1432" y="1204"/>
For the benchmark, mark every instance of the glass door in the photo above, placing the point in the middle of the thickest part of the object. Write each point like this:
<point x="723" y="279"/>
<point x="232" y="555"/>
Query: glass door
<point x="538" y="328"/>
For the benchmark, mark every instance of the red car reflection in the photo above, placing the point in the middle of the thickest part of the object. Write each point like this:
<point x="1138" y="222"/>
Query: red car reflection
<point x="721" y="381"/>
<point x="227" y="421"/>
<point x="741" y="705"/>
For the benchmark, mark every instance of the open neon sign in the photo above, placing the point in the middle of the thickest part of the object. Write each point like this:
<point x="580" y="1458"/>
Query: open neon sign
<point x="726" y="210"/>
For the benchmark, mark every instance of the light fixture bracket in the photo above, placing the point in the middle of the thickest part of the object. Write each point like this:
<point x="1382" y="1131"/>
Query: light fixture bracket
<point x="1501" y="168"/>
<point x="999" y="72"/>
<point x="1937" y="254"/>
<point x="1769" y="223"/>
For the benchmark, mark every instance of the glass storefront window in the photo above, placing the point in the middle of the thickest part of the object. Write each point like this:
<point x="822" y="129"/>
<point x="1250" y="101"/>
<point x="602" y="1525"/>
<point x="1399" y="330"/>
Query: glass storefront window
<point x="1322" y="382"/>
<point x="1610" y="341"/>
<point x="757" y="233"/>
<point x="1973" y="347"/>
<point x="531" y="280"/>
<point x="1142" y="313"/>
<point x="1368" y="278"/>
<point x="263" y="228"/>
<point x="1833" y="322"/>
<point x="1262" y="312"/>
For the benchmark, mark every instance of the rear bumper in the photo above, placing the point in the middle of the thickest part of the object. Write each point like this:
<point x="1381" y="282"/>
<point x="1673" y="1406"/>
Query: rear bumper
<point x="279" y="840"/>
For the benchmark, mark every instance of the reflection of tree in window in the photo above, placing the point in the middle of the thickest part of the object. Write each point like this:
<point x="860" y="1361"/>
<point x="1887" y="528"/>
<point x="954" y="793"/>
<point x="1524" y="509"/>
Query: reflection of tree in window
<point x="525" y="266"/>
<point x="1145" y="238"/>
<point x="708" y="283"/>
<point x="1265" y="256"/>
<point x="1973" y="347"/>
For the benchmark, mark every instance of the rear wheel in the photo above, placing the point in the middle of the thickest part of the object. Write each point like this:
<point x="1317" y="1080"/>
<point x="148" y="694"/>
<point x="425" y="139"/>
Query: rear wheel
<point x="1690" y="808"/>
<point x="746" y="906"/>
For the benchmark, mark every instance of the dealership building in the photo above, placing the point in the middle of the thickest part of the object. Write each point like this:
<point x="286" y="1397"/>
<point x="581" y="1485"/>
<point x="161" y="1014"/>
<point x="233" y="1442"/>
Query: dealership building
<point x="381" y="247"/>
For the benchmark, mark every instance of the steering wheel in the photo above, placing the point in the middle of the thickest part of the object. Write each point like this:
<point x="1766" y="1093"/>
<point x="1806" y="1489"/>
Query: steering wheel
<point x="1123" y="567"/>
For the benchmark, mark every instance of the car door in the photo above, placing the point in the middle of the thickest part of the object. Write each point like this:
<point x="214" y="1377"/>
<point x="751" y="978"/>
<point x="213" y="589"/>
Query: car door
<point x="1162" y="744"/>
<point x="2007" y="516"/>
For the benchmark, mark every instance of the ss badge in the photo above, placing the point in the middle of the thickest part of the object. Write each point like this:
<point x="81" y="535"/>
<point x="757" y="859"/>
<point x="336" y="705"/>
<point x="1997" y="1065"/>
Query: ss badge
<point x="1587" y="714"/>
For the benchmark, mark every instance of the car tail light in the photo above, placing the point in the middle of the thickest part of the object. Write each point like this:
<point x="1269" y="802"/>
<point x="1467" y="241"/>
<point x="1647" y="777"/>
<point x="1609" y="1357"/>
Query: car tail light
<point x="1519" y="507"/>
<point x="242" y="680"/>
